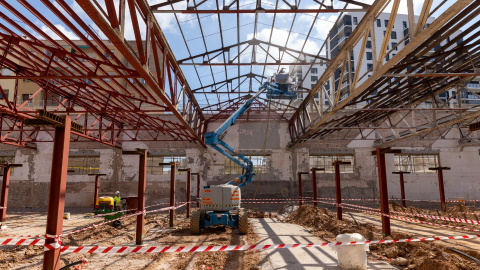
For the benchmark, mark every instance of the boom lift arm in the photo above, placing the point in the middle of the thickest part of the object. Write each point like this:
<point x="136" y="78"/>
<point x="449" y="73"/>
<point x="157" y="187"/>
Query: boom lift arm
<point x="215" y="140"/>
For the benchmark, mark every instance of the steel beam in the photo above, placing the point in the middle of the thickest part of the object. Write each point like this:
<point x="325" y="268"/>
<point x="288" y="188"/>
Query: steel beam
<point x="301" y="130"/>
<point x="195" y="129"/>
<point x="257" y="11"/>
<point x="56" y="198"/>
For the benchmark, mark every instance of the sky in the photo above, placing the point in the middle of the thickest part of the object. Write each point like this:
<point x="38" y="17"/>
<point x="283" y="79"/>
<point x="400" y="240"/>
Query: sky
<point x="191" y="33"/>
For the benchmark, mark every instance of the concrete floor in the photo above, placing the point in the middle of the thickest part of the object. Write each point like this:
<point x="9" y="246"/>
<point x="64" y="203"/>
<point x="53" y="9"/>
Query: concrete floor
<point x="272" y="231"/>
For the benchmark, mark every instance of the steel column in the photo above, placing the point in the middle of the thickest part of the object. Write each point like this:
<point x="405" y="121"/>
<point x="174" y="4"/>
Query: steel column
<point x="56" y="200"/>
<point x="338" y="190"/>
<point x="441" y="186"/>
<point x="142" y="181"/>
<point x="402" y="190"/>
<point x="314" y="187"/>
<point x="382" y="183"/>
<point x="300" y="197"/>
<point x="3" y="202"/>
<point x="172" y="190"/>
<point x="402" y="187"/>
<point x="95" y="195"/>
<point x="442" y="190"/>
<point x="189" y="179"/>
<point x="314" y="184"/>
<point x="97" y="184"/>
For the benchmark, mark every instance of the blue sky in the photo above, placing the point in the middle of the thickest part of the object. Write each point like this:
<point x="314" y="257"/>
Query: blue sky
<point x="211" y="32"/>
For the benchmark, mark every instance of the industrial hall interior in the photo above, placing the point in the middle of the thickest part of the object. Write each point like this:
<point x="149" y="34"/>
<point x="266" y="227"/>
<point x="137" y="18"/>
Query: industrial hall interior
<point x="240" y="134"/>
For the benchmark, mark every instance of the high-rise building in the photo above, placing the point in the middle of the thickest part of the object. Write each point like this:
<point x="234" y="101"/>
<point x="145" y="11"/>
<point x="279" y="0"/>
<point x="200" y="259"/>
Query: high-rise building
<point x="398" y="40"/>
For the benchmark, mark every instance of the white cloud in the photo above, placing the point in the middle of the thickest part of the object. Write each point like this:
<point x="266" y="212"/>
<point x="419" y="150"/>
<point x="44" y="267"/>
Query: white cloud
<point x="69" y="34"/>
<point x="279" y="37"/>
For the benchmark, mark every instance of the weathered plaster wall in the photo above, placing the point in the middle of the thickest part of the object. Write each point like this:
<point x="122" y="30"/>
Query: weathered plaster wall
<point x="30" y="184"/>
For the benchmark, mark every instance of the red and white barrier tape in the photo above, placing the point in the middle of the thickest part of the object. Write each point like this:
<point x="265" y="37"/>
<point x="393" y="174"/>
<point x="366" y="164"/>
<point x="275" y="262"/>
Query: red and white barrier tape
<point x="169" y="203"/>
<point x="167" y="208"/>
<point x="95" y="225"/>
<point x="270" y="199"/>
<point x="413" y="220"/>
<point x="168" y="249"/>
<point x="459" y="220"/>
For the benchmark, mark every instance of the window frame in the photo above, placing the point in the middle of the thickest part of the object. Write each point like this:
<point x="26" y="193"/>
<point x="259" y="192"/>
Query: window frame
<point x="326" y="161"/>
<point x="411" y="162"/>
<point x="87" y="167"/>
<point x="154" y="169"/>
<point x="231" y="168"/>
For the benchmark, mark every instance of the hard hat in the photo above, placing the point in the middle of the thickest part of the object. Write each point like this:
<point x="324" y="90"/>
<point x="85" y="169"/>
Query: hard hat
<point x="117" y="192"/>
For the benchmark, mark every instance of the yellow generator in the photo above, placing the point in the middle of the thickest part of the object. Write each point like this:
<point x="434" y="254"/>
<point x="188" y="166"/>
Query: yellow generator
<point x="104" y="203"/>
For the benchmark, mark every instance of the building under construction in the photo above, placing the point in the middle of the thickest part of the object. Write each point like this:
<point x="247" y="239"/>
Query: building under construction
<point x="240" y="134"/>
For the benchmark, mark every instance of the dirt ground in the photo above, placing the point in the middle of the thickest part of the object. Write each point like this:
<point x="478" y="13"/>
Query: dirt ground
<point x="412" y="255"/>
<point x="31" y="257"/>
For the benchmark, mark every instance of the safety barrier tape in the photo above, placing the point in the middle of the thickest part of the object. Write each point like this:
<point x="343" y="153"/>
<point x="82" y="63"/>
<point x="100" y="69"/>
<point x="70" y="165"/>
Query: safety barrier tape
<point x="459" y="220"/>
<point x="168" y="249"/>
<point x="270" y="199"/>
<point x="413" y="220"/>
<point x="169" y="203"/>
<point x="333" y="199"/>
<point x="96" y="225"/>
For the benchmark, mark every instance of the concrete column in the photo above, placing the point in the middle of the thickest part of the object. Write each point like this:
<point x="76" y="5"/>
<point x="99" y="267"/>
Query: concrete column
<point x="56" y="200"/>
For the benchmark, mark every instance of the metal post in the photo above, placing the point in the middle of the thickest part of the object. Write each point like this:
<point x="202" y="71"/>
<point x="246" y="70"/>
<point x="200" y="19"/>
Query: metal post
<point x="95" y="195"/>
<point x="172" y="189"/>
<point x="338" y="190"/>
<point x="56" y="199"/>
<point x="189" y="179"/>
<point x="382" y="183"/>
<point x="314" y="186"/>
<point x="402" y="190"/>
<point x="3" y="202"/>
<point x="97" y="184"/>
<point x="442" y="190"/>
<point x="300" y="196"/>
<point x="441" y="186"/>
<point x="402" y="186"/>
<point x="142" y="181"/>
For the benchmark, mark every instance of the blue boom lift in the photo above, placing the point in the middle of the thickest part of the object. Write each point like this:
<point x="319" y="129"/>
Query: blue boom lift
<point x="221" y="203"/>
